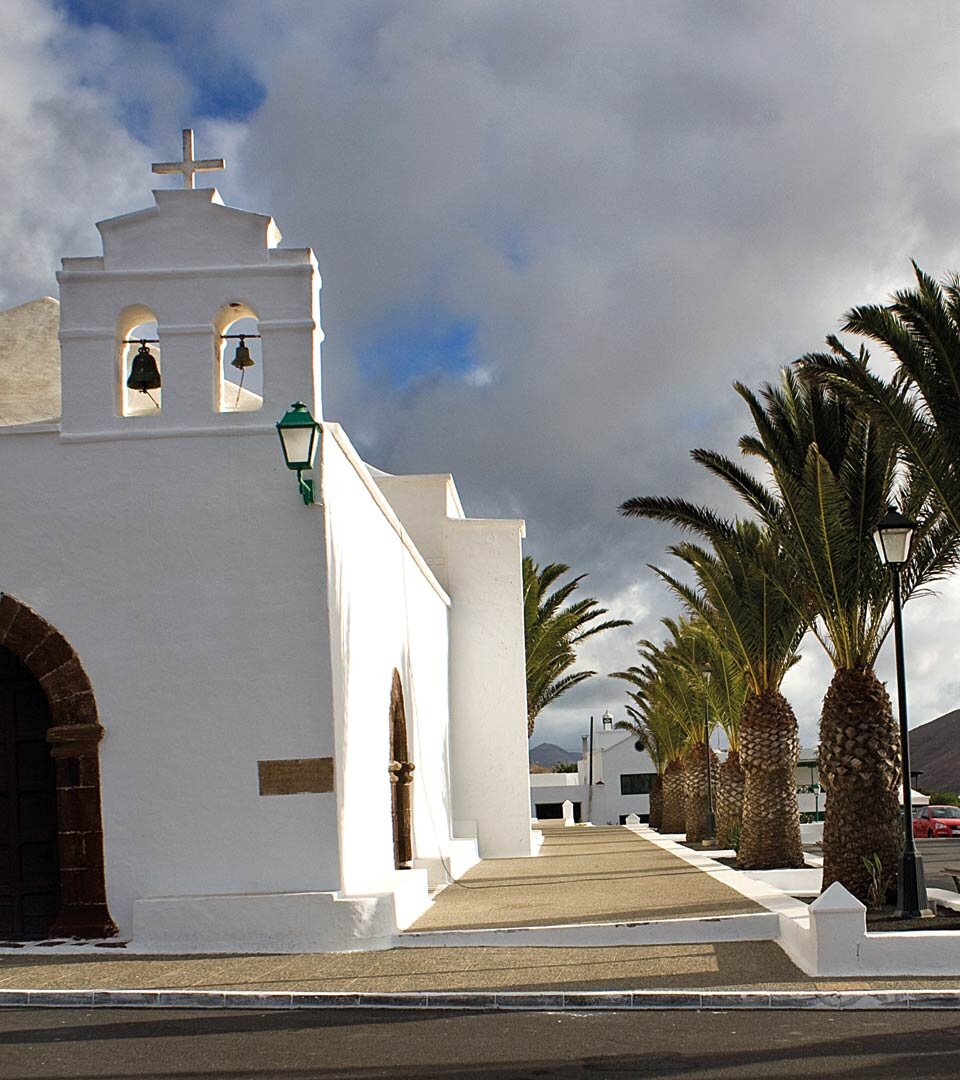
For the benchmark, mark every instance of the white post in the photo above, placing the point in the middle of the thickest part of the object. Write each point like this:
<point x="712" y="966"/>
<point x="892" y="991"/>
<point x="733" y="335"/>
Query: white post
<point x="567" y="812"/>
<point x="838" y="924"/>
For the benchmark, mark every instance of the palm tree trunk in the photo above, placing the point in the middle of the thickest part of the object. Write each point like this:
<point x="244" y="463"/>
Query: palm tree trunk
<point x="769" y="749"/>
<point x="860" y="770"/>
<point x="655" y="818"/>
<point x="695" y="790"/>
<point x="673" y="815"/>
<point x="729" y="801"/>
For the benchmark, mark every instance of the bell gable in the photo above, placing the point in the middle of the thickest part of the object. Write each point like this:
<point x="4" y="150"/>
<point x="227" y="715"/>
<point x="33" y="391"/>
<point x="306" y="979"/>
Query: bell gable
<point x="187" y="229"/>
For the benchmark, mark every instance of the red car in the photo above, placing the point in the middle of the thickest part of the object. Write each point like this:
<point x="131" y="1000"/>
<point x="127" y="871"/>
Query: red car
<point x="937" y="821"/>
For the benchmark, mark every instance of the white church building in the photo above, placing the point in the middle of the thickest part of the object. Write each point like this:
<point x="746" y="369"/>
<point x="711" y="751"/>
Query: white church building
<point x="232" y="717"/>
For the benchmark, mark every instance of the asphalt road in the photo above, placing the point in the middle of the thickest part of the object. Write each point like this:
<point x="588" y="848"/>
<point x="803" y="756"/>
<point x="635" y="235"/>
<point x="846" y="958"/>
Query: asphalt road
<point x="356" y="1045"/>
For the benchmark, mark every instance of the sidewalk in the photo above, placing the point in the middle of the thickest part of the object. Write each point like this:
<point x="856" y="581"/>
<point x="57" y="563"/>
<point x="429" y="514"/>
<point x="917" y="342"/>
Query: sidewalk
<point x="602" y="874"/>
<point x="582" y="875"/>
<point x="743" y="966"/>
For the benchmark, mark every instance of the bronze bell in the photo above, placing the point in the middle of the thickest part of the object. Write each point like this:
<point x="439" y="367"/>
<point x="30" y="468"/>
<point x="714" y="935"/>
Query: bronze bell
<point x="144" y="373"/>
<point x="242" y="358"/>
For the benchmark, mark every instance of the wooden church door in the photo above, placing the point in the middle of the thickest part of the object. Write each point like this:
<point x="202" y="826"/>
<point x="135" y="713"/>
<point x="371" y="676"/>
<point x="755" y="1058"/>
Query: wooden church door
<point x="401" y="778"/>
<point x="29" y="858"/>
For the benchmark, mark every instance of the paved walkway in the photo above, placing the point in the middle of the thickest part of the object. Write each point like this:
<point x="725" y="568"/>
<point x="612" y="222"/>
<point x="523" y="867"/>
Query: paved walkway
<point x="599" y="874"/>
<point x="746" y="965"/>
<point x="603" y="874"/>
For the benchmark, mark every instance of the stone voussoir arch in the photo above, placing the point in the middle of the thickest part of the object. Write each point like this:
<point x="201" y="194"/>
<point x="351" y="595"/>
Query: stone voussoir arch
<point x="74" y="736"/>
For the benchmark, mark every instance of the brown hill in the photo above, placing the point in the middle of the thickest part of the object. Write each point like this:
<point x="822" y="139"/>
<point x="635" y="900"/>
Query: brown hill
<point x="549" y="754"/>
<point x="935" y="751"/>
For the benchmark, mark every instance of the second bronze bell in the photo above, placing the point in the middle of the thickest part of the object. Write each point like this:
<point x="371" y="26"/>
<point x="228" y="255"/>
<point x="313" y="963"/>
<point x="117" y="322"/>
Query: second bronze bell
<point x="144" y="373"/>
<point x="242" y="358"/>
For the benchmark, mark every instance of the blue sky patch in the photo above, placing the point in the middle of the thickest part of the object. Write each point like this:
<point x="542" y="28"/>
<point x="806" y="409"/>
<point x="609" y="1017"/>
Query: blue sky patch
<point x="410" y="345"/>
<point x="224" y="87"/>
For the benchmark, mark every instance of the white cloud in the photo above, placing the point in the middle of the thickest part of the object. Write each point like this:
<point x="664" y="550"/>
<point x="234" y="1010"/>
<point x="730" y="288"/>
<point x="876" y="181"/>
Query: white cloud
<point x="68" y="161"/>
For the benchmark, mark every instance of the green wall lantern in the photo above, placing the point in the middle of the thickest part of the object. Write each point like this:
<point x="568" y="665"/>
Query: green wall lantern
<point x="299" y="437"/>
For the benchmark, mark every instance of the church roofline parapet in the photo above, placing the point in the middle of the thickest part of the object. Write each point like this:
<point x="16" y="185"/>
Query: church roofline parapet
<point x="164" y="198"/>
<point x="418" y="479"/>
<point x="486" y="523"/>
<point x="192" y="228"/>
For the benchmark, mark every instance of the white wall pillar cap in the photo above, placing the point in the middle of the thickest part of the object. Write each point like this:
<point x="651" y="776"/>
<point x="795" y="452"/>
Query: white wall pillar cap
<point x="836" y="898"/>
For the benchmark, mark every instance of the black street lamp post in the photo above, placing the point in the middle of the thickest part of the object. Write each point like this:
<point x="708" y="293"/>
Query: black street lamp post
<point x="711" y="822"/>
<point x="892" y="536"/>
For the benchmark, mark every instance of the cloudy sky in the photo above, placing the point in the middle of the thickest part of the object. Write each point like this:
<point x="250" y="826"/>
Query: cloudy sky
<point x="551" y="234"/>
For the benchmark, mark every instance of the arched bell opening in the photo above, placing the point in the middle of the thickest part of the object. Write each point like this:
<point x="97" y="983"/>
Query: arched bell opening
<point x="401" y="778"/>
<point x="139" y="381"/>
<point x="238" y="359"/>
<point x="51" y="833"/>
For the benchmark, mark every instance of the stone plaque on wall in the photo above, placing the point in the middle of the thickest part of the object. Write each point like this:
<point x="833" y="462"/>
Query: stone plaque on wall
<point x="295" y="776"/>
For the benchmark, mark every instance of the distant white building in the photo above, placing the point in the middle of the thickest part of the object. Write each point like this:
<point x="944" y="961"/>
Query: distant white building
<point x="622" y="778"/>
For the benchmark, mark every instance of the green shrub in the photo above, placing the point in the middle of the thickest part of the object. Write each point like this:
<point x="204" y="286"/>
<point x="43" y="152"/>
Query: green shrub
<point x="943" y="798"/>
<point x="881" y="882"/>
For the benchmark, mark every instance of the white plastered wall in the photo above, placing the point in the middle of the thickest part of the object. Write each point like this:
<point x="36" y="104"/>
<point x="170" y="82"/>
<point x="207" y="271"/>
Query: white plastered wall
<point x="478" y="561"/>
<point x="189" y="577"/>
<point x="387" y="611"/>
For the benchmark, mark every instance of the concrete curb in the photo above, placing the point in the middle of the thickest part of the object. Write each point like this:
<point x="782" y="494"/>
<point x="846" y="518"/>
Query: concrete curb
<point x="550" y="1001"/>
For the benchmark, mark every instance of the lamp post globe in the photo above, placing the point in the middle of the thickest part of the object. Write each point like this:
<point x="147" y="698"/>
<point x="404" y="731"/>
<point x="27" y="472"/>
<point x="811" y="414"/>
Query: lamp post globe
<point x="893" y="536"/>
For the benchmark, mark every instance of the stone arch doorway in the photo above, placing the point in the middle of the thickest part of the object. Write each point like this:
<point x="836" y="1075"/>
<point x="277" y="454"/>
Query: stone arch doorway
<point x="401" y="778"/>
<point x="53" y="704"/>
<point x="29" y="859"/>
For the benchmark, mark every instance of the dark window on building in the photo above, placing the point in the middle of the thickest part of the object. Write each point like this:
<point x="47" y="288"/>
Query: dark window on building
<point x="552" y="811"/>
<point x="637" y="783"/>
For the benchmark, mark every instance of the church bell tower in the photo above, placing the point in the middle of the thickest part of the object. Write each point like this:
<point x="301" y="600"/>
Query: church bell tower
<point x="149" y="328"/>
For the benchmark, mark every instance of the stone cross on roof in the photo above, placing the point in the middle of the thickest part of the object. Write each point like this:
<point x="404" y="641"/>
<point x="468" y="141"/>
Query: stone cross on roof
<point x="189" y="165"/>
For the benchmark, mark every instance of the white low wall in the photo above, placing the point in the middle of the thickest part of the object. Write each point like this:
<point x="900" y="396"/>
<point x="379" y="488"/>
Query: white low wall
<point x="830" y="936"/>
<point x="296" y="922"/>
<point x="263" y="923"/>
<point x="836" y="942"/>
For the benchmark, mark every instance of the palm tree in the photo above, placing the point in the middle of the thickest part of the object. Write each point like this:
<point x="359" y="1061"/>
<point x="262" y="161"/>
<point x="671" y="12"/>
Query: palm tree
<point x="552" y="631"/>
<point x="834" y="472"/>
<point x="654" y="734"/>
<point x="685" y="656"/>
<point x="920" y="407"/>
<point x="755" y="622"/>
<point x="653" y="720"/>
<point x="726" y="693"/>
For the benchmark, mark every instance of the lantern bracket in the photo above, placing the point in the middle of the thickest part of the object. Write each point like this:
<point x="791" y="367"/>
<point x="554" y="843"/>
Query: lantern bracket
<point x="306" y="489"/>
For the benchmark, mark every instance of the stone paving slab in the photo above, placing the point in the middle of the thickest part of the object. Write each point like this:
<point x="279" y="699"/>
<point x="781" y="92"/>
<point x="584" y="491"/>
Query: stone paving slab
<point x="582" y="874"/>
